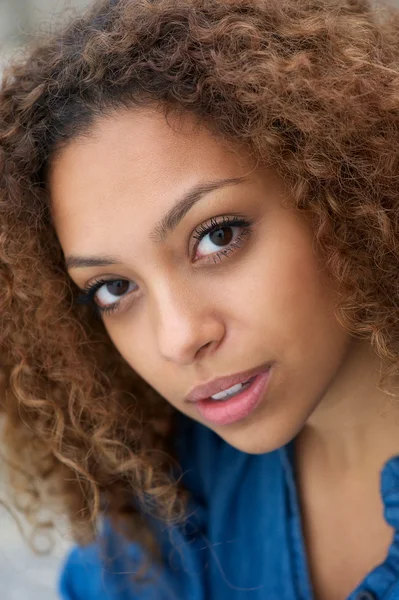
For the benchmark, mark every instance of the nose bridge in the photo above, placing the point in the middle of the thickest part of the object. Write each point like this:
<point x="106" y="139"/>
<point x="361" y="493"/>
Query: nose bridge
<point x="185" y="322"/>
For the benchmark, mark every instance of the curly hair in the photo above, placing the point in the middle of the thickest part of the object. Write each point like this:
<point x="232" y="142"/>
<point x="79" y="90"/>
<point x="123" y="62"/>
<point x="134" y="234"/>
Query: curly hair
<point x="310" y="87"/>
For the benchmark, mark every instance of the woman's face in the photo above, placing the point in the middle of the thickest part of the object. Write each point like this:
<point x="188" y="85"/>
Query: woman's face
<point x="184" y="305"/>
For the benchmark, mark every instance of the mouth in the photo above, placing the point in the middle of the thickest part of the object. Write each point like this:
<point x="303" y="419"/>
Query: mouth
<point x="223" y="384"/>
<point x="232" y="402"/>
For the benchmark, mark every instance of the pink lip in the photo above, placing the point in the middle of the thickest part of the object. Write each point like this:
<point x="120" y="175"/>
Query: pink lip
<point x="237" y="407"/>
<point x="201" y="392"/>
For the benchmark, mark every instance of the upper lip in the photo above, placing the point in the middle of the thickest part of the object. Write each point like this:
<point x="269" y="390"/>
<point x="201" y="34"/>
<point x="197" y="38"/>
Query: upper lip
<point x="205" y="390"/>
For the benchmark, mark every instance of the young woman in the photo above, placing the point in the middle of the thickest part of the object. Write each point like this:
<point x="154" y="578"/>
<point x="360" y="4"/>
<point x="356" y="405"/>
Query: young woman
<point x="199" y="300"/>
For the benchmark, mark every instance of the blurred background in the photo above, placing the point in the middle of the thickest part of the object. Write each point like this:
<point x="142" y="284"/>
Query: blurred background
<point x="20" y="18"/>
<point x="25" y="575"/>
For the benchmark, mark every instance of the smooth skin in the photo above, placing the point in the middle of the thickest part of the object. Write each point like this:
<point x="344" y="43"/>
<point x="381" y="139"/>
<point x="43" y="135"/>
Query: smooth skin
<point x="187" y="314"/>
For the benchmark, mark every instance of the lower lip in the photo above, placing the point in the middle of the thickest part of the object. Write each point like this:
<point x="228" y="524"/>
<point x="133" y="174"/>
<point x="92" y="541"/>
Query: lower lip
<point x="238" y="407"/>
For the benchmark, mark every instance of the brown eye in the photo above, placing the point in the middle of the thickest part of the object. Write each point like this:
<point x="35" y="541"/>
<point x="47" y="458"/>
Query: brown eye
<point x="111" y="291"/>
<point x="222" y="236"/>
<point x="218" y="239"/>
<point x="117" y="288"/>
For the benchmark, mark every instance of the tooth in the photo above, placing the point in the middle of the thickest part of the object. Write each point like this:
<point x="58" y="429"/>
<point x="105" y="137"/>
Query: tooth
<point x="227" y="392"/>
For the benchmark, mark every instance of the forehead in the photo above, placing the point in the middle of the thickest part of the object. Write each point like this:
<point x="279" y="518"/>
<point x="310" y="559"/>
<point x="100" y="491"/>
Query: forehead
<point x="134" y="163"/>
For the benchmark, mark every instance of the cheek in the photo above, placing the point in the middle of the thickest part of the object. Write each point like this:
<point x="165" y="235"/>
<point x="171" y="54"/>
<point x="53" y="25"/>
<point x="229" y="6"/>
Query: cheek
<point x="310" y="343"/>
<point x="133" y="339"/>
<point x="135" y="345"/>
<point x="290" y="303"/>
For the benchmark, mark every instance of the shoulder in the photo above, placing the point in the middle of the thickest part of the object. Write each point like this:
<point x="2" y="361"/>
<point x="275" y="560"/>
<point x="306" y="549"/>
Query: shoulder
<point x="103" y="571"/>
<point x="214" y="472"/>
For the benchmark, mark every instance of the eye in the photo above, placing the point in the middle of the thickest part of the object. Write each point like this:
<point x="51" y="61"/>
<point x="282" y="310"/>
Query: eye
<point x="106" y="293"/>
<point x="112" y="291"/>
<point x="222" y="236"/>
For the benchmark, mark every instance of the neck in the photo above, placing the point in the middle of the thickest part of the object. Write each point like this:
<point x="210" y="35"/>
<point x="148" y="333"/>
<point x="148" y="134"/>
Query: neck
<point x="356" y="425"/>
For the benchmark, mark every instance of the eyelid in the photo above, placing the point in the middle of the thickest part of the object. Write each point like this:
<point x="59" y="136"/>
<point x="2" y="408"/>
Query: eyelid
<point x="220" y="221"/>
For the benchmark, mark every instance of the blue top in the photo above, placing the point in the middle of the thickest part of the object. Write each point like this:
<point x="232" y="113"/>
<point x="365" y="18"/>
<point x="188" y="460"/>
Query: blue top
<point x="243" y="539"/>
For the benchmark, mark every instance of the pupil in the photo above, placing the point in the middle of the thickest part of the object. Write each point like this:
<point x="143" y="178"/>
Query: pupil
<point x="222" y="236"/>
<point x="118" y="288"/>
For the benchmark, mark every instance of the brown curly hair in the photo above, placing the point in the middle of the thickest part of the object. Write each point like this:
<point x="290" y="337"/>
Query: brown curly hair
<point x="310" y="87"/>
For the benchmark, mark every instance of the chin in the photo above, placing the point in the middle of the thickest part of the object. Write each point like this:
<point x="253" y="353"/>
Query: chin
<point x="261" y="437"/>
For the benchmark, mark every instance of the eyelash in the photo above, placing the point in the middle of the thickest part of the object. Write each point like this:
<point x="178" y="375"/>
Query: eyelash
<point x="87" y="296"/>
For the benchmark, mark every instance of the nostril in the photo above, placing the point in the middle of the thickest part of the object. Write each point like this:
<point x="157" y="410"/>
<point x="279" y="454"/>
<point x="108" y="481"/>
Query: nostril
<point x="203" y="348"/>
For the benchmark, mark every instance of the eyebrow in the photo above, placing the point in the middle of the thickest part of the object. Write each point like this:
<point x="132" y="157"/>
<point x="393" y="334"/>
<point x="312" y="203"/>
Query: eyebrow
<point x="166" y="225"/>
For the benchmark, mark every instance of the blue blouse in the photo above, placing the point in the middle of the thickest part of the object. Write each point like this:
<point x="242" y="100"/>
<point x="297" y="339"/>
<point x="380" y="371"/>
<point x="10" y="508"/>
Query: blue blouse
<point x="242" y="540"/>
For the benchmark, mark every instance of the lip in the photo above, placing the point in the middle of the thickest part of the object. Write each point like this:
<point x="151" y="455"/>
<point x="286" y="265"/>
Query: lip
<point x="238" y="407"/>
<point x="206" y="390"/>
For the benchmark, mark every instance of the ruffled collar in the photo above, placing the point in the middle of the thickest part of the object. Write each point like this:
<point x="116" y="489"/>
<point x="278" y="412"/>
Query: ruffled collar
<point x="382" y="583"/>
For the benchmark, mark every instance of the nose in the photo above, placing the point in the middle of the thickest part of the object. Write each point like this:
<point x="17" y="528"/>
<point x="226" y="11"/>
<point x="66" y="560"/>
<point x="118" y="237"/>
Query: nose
<point x="187" y="325"/>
